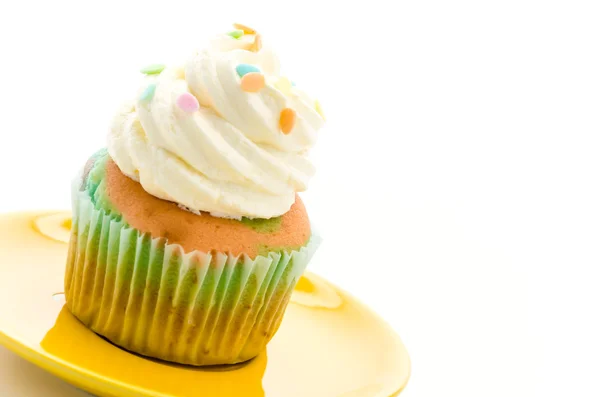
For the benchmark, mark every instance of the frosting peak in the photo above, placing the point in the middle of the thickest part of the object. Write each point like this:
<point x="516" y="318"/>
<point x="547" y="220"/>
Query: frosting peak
<point x="225" y="133"/>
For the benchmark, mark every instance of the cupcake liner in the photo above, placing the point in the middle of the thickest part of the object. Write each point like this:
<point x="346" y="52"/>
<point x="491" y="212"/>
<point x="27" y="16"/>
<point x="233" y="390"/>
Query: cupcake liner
<point x="152" y="298"/>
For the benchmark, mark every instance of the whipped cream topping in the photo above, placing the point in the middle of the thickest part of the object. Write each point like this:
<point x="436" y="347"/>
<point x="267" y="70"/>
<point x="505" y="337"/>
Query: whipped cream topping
<point x="230" y="154"/>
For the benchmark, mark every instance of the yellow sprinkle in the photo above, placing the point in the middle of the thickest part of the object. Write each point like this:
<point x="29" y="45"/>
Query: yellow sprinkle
<point x="284" y="85"/>
<point x="246" y="29"/>
<point x="319" y="109"/>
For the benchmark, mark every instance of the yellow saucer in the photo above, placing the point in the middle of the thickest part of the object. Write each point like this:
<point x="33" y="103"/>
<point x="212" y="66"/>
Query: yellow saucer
<point x="328" y="345"/>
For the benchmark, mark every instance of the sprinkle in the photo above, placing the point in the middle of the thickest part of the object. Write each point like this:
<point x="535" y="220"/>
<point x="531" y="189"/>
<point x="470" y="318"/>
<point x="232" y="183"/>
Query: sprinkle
<point x="236" y="34"/>
<point x="244" y="28"/>
<point x="188" y="103"/>
<point x="244" y="68"/>
<point x="287" y="119"/>
<point x="257" y="45"/>
<point x="195" y="212"/>
<point x="148" y="93"/>
<point x="253" y="82"/>
<point x="284" y="85"/>
<point x="153" y="69"/>
<point x="319" y="109"/>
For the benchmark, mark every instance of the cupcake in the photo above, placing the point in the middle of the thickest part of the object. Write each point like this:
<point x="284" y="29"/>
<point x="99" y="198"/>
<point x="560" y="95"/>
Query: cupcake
<point x="188" y="235"/>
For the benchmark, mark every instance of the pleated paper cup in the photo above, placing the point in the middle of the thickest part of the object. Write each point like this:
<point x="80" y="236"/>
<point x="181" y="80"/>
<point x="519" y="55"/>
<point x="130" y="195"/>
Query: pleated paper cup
<point x="154" y="299"/>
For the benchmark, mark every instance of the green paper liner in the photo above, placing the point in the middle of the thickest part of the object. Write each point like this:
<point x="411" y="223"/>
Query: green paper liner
<point x="154" y="299"/>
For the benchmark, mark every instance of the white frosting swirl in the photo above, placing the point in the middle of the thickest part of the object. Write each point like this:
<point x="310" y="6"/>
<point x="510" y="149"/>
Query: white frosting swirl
<point x="229" y="157"/>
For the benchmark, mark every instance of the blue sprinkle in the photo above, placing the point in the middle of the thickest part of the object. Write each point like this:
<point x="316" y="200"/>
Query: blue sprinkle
<point x="148" y="93"/>
<point x="293" y="83"/>
<point x="244" y="68"/>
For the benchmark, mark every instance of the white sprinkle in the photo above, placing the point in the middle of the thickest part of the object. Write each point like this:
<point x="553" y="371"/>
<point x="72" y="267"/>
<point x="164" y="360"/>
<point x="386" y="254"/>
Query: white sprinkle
<point x="183" y="207"/>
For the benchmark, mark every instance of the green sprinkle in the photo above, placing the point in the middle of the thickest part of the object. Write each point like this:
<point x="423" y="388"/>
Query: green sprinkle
<point x="148" y="93"/>
<point x="153" y="69"/>
<point x="236" y="34"/>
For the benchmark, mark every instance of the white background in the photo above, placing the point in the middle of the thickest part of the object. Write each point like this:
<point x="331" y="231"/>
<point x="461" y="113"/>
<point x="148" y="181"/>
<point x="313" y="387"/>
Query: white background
<point x="458" y="175"/>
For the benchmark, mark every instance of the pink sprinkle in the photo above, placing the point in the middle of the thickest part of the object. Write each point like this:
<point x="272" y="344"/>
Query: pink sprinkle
<point x="188" y="103"/>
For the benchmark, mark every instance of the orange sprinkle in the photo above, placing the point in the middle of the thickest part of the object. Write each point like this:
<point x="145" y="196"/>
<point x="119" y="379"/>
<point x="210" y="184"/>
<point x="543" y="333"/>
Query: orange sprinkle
<point x="246" y="29"/>
<point x="287" y="119"/>
<point x="257" y="45"/>
<point x="253" y="82"/>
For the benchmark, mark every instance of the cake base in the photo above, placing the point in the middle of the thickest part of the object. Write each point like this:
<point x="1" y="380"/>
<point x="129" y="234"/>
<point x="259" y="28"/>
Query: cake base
<point x="309" y="356"/>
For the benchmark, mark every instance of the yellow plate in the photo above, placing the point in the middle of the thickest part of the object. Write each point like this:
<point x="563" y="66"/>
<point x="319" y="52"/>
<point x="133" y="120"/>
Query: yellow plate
<point x="328" y="345"/>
